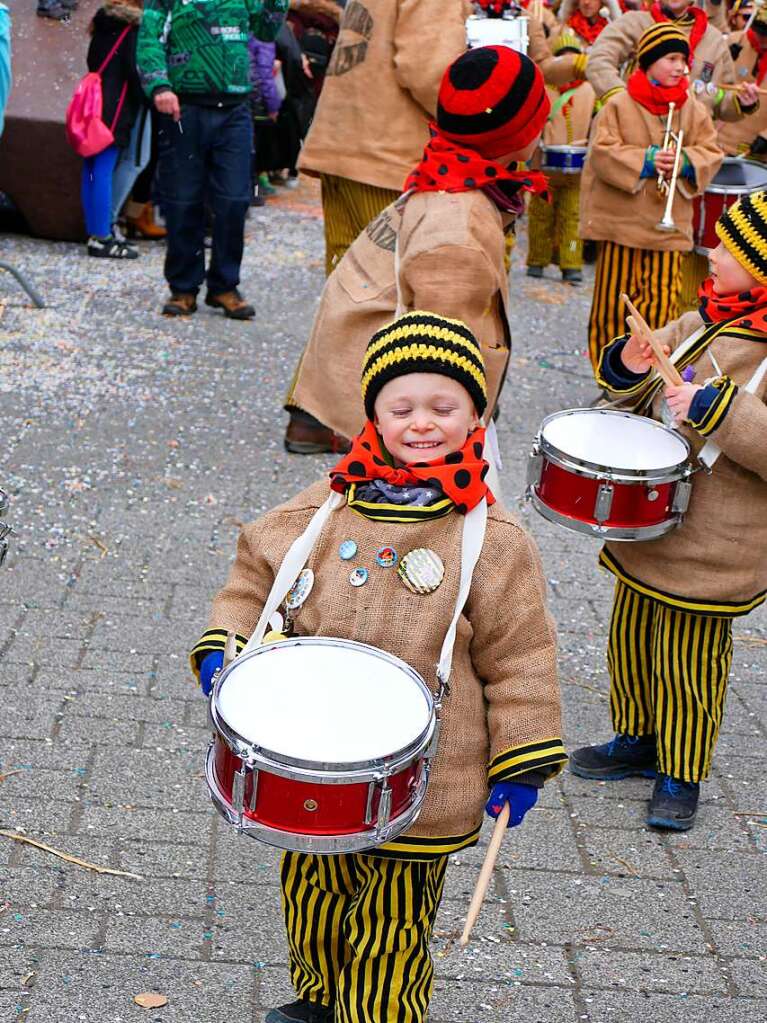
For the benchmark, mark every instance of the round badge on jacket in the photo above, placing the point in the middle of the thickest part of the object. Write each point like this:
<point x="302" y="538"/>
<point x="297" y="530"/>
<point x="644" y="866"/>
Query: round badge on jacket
<point x="421" y="570"/>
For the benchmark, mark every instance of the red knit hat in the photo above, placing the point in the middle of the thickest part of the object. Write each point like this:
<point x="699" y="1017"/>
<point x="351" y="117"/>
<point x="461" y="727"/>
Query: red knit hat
<point x="492" y="99"/>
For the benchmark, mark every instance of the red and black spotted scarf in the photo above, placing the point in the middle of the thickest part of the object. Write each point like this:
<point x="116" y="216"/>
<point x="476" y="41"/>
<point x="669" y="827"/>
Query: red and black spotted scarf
<point x="448" y="167"/>
<point x="745" y="309"/>
<point x="588" y="30"/>
<point x="692" y="16"/>
<point x="460" y="475"/>
<point x="759" y="43"/>
<point x="656" y="98"/>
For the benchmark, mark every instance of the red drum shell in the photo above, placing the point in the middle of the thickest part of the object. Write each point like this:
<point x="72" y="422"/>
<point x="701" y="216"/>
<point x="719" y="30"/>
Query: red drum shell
<point x="338" y="810"/>
<point x="719" y="196"/>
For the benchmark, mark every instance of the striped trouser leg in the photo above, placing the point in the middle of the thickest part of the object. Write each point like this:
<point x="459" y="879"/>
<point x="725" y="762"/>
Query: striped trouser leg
<point x="388" y="973"/>
<point x="540" y="232"/>
<point x="567" y="199"/>
<point x="317" y="892"/>
<point x="693" y="272"/>
<point x="612" y="275"/>
<point x="692" y="658"/>
<point x="630" y="662"/>
<point x="348" y="207"/>
<point x="655" y="282"/>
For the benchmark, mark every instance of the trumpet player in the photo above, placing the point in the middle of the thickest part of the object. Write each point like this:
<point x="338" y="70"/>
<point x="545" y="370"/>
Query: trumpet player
<point x="635" y="181"/>
<point x="748" y="49"/>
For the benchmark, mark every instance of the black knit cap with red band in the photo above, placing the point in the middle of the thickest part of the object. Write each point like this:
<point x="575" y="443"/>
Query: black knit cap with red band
<point x="492" y="99"/>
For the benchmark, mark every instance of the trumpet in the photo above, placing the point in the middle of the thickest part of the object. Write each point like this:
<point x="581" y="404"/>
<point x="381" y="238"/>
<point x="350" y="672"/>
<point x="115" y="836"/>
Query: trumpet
<point x="666" y="223"/>
<point x="668" y="135"/>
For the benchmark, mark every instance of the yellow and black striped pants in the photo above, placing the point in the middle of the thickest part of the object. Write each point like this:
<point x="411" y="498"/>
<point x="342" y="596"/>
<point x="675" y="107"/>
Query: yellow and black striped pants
<point x="358" y="933"/>
<point x="668" y="678"/>
<point x="650" y="279"/>
<point x="348" y="207"/>
<point x="552" y="228"/>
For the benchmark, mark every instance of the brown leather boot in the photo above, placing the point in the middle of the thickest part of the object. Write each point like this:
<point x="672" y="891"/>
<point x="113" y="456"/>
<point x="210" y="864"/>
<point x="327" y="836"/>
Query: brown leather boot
<point x="180" y="305"/>
<point x="233" y="304"/>
<point x="305" y="438"/>
<point x="139" y="221"/>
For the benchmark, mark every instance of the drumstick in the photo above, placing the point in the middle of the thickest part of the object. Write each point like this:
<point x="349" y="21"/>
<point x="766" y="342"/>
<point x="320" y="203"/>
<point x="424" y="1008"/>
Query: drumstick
<point x="666" y="368"/>
<point x="486" y="872"/>
<point x="230" y="648"/>
<point x="734" y="88"/>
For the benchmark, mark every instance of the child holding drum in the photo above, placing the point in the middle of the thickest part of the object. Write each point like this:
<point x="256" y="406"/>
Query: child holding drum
<point x="670" y="645"/>
<point x="388" y="569"/>
<point x="625" y="202"/>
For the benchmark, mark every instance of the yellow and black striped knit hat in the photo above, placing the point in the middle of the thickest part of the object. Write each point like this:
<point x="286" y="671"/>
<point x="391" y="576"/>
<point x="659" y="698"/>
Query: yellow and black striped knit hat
<point x="743" y="231"/>
<point x="659" y="40"/>
<point x="422" y="342"/>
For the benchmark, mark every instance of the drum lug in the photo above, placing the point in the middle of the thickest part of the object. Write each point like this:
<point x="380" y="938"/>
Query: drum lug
<point x="604" y="502"/>
<point x="238" y="792"/>
<point x="534" y="466"/>
<point x="254" y="791"/>
<point x="384" y="806"/>
<point x="681" y="497"/>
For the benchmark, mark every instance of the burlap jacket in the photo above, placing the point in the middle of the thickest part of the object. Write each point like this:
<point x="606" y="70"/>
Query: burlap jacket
<point x="381" y="86"/>
<point x="502" y="716"/>
<point x="716" y="561"/>
<point x="616" y="203"/>
<point x="712" y="64"/>
<point x="450" y="259"/>
<point x="736" y="138"/>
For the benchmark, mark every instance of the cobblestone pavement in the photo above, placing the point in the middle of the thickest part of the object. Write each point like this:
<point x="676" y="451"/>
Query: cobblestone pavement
<point x="133" y="446"/>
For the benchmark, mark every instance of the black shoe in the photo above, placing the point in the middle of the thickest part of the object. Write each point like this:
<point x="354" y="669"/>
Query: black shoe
<point x="673" y="803"/>
<point x="304" y="1012"/>
<point x="111" y="248"/>
<point x="535" y="271"/>
<point x="57" y="13"/>
<point x="589" y="251"/>
<point x="622" y="757"/>
<point x="573" y="277"/>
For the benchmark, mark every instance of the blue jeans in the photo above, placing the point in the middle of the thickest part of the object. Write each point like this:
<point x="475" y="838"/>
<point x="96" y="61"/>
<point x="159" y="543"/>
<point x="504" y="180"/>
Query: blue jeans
<point x="205" y="158"/>
<point x="96" y="191"/>
<point x="132" y="160"/>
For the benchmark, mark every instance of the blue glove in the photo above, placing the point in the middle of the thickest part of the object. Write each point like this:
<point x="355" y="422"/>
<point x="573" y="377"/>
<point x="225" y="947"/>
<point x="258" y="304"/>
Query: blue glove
<point x="519" y="796"/>
<point x="210" y="664"/>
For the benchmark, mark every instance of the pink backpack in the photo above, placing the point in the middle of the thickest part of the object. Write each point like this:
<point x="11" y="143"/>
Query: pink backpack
<point x="86" y="131"/>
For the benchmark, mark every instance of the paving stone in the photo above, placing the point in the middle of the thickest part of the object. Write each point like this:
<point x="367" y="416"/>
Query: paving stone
<point x="113" y="732"/>
<point x="233" y="936"/>
<point x="100" y="989"/>
<point x="750" y="976"/>
<point x="716" y="878"/>
<point x="128" y="824"/>
<point x="48" y="928"/>
<point x="628" y="1006"/>
<point x="635" y="971"/>
<point x="739" y="937"/>
<point x="109" y="895"/>
<point x="466" y="1001"/>
<point x="613" y="851"/>
<point x="149" y="779"/>
<point x="23" y="887"/>
<point x="542" y="829"/>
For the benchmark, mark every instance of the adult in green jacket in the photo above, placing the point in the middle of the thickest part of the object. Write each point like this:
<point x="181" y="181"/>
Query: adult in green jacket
<point x="193" y="63"/>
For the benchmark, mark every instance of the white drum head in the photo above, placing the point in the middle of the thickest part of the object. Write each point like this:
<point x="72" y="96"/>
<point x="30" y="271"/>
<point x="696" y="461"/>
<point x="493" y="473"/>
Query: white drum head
<point x="617" y="440"/>
<point x="324" y="702"/>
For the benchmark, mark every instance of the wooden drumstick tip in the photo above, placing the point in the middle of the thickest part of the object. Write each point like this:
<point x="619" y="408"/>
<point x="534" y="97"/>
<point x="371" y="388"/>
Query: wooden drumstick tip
<point x="230" y="648"/>
<point x="483" y="881"/>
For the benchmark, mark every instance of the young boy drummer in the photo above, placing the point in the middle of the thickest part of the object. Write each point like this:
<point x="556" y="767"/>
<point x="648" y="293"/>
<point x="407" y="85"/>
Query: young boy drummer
<point x="359" y="925"/>
<point x="670" y="646"/>
<point x="626" y="180"/>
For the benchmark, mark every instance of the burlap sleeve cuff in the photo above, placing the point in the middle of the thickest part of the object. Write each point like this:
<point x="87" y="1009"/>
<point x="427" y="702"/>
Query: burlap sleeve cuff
<point x="212" y="639"/>
<point x="546" y="757"/>
<point x="710" y="405"/>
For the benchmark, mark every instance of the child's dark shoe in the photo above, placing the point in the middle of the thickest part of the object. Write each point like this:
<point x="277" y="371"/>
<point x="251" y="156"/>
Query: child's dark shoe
<point x="572" y="276"/>
<point x="622" y="757"/>
<point x="673" y="804"/>
<point x="301" y="1012"/>
<point x="535" y="271"/>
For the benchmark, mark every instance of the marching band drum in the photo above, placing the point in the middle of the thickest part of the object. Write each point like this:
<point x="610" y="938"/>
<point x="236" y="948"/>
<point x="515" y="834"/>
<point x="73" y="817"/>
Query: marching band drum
<point x="564" y="159"/>
<point x="735" y="178"/>
<point x="609" y="474"/>
<point x="509" y="30"/>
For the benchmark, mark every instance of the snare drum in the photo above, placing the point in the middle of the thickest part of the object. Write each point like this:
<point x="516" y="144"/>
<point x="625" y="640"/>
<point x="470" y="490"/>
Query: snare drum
<point x="506" y="31"/>
<point x="734" y="179"/>
<point x="565" y="159"/>
<point x="609" y="474"/>
<point x="320" y="745"/>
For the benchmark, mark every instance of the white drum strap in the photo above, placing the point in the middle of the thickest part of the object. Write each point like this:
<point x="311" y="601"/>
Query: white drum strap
<point x="472" y="538"/>
<point x="710" y="451"/>
<point x="294" y="561"/>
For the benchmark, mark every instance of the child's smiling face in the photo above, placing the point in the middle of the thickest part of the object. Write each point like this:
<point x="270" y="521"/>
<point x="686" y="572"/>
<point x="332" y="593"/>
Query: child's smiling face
<point x="423" y="416"/>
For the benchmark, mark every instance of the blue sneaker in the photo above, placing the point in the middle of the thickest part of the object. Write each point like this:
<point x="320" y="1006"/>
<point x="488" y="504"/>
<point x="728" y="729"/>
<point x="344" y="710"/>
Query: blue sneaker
<point x="673" y="803"/>
<point x="622" y="757"/>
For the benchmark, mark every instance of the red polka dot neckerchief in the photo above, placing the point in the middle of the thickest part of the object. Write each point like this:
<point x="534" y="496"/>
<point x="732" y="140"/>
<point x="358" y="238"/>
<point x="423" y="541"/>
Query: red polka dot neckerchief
<point x="747" y="309"/>
<point x="459" y="475"/>
<point x="448" y="167"/>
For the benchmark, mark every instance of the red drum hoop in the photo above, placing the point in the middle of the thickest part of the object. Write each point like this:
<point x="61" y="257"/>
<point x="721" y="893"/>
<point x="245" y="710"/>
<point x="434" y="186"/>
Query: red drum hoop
<point x="734" y="179"/>
<point x="320" y="745"/>
<point x="609" y="474"/>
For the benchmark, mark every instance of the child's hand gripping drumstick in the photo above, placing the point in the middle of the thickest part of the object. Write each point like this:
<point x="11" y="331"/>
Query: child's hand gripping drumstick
<point x="639" y="327"/>
<point x="501" y="823"/>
